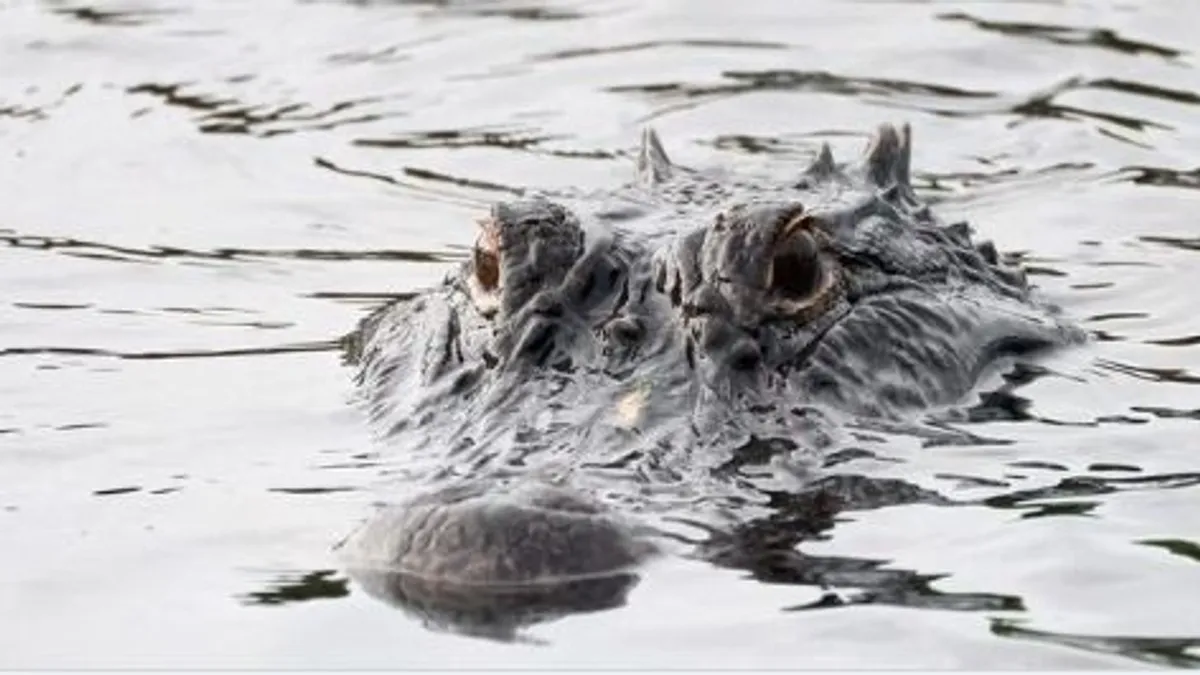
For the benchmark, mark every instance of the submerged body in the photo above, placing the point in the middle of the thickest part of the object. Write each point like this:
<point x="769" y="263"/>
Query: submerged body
<point x="600" y="361"/>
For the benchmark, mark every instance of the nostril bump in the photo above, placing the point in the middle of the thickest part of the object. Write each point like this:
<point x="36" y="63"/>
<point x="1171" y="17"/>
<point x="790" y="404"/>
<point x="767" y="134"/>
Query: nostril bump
<point x="626" y="329"/>
<point x="745" y="355"/>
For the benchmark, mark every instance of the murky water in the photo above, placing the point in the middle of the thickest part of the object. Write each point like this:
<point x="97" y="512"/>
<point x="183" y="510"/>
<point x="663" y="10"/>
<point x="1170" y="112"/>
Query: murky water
<point x="197" y="200"/>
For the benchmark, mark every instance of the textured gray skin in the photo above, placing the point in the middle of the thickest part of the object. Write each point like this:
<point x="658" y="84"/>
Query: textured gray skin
<point x="614" y="368"/>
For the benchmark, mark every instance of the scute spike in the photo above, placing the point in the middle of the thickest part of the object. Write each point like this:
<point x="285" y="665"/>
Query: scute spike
<point x="823" y="165"/>
<point x="960" y="231"/>
<point x="888" y="155"/>
<point x="904" y="159"/>
<point x="653" y="165"/>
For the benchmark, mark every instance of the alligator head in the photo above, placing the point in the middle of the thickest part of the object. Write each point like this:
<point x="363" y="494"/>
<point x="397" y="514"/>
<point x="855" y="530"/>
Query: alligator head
<point x="570" y="365"/>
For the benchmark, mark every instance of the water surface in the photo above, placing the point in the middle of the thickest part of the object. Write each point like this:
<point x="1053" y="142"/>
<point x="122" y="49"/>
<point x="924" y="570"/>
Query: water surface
<point x="201" y="198"/>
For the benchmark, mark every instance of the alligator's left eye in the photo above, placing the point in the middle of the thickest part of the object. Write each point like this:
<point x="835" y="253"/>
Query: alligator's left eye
<point x="486" y="257"/>
<point x="487" y="269"/>
<point x="796" y="266"/>
<point x="483" y="274"/>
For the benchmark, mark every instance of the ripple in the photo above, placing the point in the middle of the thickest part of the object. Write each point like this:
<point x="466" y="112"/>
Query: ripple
<point x="117" y="491"/>
<point x="1174" y="375"/>
<point x="289" y="348"/>
<point x="626" y="48"/>
<point x="1189" y="550"/>
<point x="38" y="112"/>
<point x="1168" y="413"/>
<point x="1071" y="488"/>
<point x="1101" y="38"/>
<point x="512" y="139"/>
<point x="796" y="80"/>
<point x="102" y="251"/>
<point x="950" y="186"/>
<point x="367" y="298"/>
<point x="517" y="11"/>
<point x="51" y="306"/>
<point x="766" y="548"/>
<point x="1172" y="652"/>
<point x="1161" y="176"/>
<point x="879" y="585"/>
<point x="1182" y="243"/>
<point x="458" y="138"/>
<point x="1185" y="341"/>
<point x="427" y="176"/>
<point x="936" y="99"/>
<point x="118" y="18"/>
<point x="318" y="490"/>
<point x="216" y="114"/>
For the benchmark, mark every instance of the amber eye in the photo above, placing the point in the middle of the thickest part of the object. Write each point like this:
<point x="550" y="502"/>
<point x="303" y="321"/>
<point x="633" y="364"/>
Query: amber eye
<point x="487" y="256"/>
<point x="487" y="269"/>
<point x="796" y="266"/>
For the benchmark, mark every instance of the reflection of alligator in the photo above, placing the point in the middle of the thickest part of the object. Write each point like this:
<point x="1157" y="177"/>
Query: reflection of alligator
<point x="684" y="346"/>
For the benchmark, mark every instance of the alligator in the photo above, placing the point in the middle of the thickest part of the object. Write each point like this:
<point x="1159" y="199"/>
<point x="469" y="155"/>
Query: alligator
<point x="603" y="367"/>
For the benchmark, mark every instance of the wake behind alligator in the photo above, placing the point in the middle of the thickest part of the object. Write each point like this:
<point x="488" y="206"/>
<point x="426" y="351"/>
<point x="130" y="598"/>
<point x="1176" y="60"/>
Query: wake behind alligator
<point x="604" y="365"/>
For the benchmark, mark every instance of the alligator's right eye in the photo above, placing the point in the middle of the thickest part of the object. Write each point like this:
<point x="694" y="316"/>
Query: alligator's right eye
<point x="796" y="266"/>
<point x="802" y="277"/>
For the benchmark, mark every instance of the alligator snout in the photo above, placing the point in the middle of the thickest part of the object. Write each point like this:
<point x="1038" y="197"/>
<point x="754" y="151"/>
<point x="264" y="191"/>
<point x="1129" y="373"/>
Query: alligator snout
<point x="484" y="534"/>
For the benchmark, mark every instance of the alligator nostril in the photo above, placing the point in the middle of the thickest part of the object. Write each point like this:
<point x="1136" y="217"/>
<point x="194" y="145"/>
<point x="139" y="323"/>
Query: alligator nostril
<point x="744" y="356"/>
<point x="627" y="329"/>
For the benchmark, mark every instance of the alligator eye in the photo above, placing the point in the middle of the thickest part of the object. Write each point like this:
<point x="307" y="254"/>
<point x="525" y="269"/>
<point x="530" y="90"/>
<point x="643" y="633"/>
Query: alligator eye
<point x="796" y="266"/>
<point x="803" y="278"/>
<point x="487" y="257"/>
<point x="487" y="269"/>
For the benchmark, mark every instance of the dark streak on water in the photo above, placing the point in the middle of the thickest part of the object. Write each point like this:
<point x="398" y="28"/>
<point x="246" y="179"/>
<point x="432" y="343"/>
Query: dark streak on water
<point x="130" y="254"/>
<point x="326" y="346"/>
<point x="302" y="587"/>
<point x="1102" y="38"/>
<point x="117" y="491"/>
<point x="311" y="490"/>
<point x="1173" y="652"/>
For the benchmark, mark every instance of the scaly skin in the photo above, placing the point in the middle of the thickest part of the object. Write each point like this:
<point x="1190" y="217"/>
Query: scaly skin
<point x="577" y="370"/>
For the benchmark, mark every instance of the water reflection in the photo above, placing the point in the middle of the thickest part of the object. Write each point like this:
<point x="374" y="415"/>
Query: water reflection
<point x="770" y="549"/>
<point x="498" y="613"/>
<point x="1173" y="652"/>
<point x="294" y="587"/>
<point x="767" y="548"/>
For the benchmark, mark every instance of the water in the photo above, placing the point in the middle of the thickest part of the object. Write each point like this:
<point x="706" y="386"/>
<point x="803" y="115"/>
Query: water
<point x="199" y="199"/>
